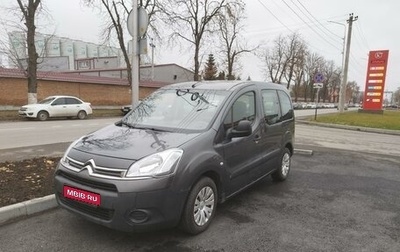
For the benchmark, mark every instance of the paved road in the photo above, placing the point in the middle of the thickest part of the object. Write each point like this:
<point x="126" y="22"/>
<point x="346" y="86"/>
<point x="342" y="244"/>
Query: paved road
<point x="343" y="198"/>
<point x="333" y="201"/>
<point x="349" y="140"/>
<point x="33" y="133"/>
<point x="26" y="139"/>
<point x="36" y="133"/>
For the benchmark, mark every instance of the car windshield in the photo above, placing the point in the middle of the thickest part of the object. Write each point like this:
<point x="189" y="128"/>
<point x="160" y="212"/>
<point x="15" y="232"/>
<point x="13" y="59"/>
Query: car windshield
<point x="177" y="109"/>
<point x="47" y="100"/>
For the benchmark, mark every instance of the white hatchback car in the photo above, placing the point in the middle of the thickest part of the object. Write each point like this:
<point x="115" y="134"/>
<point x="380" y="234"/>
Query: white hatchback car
<point x="57" y="106"/>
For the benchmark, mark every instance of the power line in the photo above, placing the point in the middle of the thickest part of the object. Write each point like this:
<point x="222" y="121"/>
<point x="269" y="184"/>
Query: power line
<point x="313" y="18"/>
<point x="309" y="25"/>
<point x="275" y="16"/>
<point x="363" y="39"/>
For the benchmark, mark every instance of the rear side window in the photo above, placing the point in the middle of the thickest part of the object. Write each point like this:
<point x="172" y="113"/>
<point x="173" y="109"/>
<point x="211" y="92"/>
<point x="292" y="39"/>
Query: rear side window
<point x="272" y="111"/>
<point x="286" y="105"/>
<point x="72" y="101"/>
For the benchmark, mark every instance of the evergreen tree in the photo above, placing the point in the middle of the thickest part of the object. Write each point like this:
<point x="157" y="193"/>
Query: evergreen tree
<point x="210" y="70"/>
<point x="221" y="76"/>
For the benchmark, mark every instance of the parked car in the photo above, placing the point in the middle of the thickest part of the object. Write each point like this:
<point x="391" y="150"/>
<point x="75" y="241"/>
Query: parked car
<point x="57" y="106"/>
<point x="126" y="109"/>
<point x="181" y="151"/>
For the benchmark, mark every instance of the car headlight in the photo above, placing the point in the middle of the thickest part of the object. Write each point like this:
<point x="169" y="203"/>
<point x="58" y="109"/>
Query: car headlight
<point x="158" y="164"/>
<point x="64" y="158"/>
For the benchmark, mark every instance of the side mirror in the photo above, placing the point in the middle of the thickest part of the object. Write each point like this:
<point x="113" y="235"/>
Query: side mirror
<point x="243" y="129"/>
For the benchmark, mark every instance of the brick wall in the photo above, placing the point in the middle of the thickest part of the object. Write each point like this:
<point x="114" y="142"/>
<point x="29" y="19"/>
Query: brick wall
<point x="13" y="92"/>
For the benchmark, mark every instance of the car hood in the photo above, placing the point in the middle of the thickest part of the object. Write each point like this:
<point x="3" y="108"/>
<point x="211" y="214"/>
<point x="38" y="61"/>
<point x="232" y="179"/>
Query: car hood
<point x="130" y="143"/>
<point x="36" y="105"/>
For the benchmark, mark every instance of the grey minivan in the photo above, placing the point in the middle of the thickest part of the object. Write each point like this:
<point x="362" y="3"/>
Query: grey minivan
<point x="182" y="150"/>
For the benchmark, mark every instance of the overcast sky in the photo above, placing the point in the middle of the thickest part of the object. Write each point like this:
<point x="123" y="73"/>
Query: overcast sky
<point x="375" y="29"/>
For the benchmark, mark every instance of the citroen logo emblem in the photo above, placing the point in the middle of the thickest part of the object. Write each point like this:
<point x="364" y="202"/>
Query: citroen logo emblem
<point x="89" y="165"/>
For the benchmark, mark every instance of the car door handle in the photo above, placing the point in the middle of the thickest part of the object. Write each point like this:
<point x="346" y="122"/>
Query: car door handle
<point x="257" y="138"/>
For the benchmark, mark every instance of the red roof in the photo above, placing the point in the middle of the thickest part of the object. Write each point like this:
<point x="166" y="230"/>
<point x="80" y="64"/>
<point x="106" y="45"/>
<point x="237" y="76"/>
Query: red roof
<point x="56" y="76"/>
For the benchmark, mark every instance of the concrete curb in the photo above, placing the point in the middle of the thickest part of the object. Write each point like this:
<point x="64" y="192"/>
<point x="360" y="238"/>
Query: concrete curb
<point x="303" y="152"/>
<point x="27" y="208"/>
<point x="349" y="127"/>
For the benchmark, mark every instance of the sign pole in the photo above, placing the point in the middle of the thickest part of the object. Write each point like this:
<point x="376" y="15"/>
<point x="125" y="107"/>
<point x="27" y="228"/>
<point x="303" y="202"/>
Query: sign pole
<point x="316" y="104"/>
<point x="135" y="55"/>
<point x="318" y="78"/>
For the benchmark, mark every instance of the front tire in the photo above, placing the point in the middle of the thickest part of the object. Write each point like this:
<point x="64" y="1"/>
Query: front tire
<point x="82" y="115"/>
<point x="200" y="206"/>
<point x="42" y="115"/>
<point x="283" y="170"/>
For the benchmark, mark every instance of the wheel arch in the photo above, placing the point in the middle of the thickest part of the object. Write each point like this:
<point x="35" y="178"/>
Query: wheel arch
<point x="289" y="145"/>
<point x="43" y="111"/>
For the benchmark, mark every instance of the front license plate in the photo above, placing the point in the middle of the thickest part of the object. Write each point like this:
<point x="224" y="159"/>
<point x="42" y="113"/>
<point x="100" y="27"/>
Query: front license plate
<point x="82" y="195"/>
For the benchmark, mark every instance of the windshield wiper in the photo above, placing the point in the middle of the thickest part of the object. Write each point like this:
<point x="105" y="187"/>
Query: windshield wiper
<point x="120" y="123"/>
<point x="135" y="126"/>
<point x="150" y="128"/>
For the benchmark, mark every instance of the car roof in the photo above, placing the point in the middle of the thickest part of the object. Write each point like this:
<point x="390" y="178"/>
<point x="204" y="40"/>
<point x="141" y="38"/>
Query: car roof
<point x="223" y="85"/>
<point x="61" y="96"/>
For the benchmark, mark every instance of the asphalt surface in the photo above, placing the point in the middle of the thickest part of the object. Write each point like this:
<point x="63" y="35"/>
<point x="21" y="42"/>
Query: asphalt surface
<point x="333" y="201"/>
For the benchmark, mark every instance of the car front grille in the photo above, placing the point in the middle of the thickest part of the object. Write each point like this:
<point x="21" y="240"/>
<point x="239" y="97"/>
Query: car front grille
<point x="94" y="170"/>
<point x="87" y="182"/>
<point x="97" y="212"/>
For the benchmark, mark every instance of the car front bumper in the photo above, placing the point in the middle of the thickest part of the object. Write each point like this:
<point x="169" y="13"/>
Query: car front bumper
<point x="29" y="114"/>
<point x="126" y="205"/>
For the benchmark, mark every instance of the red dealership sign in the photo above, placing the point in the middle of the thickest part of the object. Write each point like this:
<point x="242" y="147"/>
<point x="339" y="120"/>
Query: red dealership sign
<point x="375" y="84"/>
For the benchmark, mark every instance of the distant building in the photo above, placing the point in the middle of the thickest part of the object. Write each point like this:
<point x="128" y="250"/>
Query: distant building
<point x="58" y="53"/>
<point x="170" y="73"/>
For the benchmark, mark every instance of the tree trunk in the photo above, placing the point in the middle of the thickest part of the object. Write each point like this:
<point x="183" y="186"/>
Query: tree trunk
<point x="32" y="54"/>
<point x="196" y="64"/>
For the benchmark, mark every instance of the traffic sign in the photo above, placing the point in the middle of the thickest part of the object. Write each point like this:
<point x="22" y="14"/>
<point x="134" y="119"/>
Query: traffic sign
<point x="318" y="85"/>
<point x="319" y="77"/>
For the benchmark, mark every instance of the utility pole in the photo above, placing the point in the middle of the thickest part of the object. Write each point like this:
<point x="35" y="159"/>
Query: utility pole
<point x="342" y="95"/>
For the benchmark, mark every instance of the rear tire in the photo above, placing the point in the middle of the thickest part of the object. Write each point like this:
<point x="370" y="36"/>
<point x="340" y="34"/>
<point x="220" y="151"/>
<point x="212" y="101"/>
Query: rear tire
<point x="82" y="115"/>
<point x="42" y="115"/>
<point x="283" y="170"/>
<point x="200" y="206"/>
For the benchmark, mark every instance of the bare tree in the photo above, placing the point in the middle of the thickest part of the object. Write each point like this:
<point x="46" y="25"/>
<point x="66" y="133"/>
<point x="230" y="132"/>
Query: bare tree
<point x="352" y="92"/>
<point x="230" y="22"/>
<point x="294" y="53"/>
<point x="276" y="61"/>
<point x="313" y="63"/>
<point x="396" y="97"/>
<point x="190" y="20"/>
<point x="298" y="74"/>
<point x="29" y="13"/>
<point x="116" y="14"/>
<point x="328" y="70"/>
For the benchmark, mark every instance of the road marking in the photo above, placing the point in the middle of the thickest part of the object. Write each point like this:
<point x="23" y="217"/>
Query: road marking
<point x="19" y="129"/>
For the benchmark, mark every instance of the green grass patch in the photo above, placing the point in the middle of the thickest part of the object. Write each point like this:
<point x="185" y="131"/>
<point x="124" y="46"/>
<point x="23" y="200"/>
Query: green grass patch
<point x="390" y="119"/>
